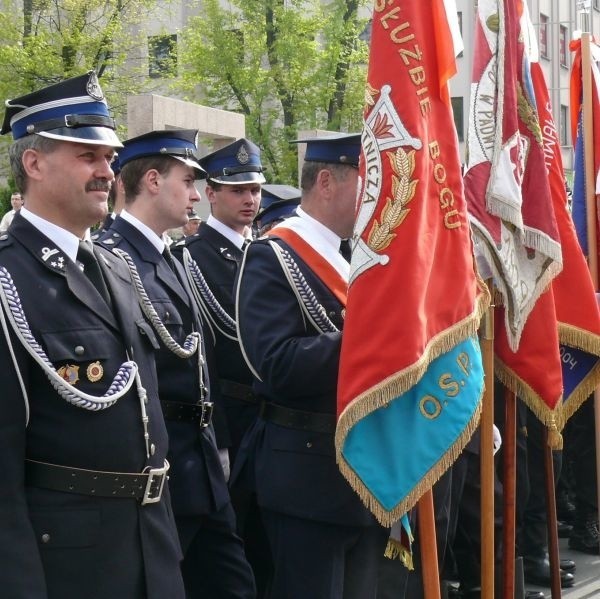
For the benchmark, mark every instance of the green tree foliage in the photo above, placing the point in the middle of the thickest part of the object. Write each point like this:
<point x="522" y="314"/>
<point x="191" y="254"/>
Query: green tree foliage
<point x="45" y="41"/>
<point x="287" y="65"/>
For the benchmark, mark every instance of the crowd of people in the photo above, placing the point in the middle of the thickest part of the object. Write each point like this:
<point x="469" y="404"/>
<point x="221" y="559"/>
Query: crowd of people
<point x="168" y="409"/>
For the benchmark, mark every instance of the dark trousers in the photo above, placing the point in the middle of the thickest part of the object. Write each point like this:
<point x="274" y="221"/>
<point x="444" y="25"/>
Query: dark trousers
<point x="318" y="560"/>
<point x="580" y="455"/>
<point x="214" y="563"/>
<point x="395" y="581"/>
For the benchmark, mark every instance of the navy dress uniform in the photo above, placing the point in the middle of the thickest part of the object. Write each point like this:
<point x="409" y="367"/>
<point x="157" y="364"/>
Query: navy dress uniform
<point x="277" y="202"/>
<point x="214" y="563"/>
<point x="83" y="442"/>
<point x="216" y="251"/>
<point x="218" y="258"/>
<point x="325" y="543"/>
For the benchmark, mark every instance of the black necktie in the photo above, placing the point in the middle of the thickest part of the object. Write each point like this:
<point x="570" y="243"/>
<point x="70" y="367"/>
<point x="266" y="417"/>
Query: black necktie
<point x="91" y="269"/>
<point x="169" y="258"/>
<point x="345" y="249"/>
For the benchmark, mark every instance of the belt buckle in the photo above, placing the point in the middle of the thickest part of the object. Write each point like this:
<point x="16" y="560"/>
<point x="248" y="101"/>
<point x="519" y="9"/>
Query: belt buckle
<point x="155" y="484"/>
<point x="207" y="412"/>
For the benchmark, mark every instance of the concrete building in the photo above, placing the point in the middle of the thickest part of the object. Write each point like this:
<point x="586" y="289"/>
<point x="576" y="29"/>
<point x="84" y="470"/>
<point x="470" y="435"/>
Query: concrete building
<point x="555" y="22"/>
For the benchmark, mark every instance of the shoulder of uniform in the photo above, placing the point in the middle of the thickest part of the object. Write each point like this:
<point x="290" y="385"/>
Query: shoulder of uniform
<point x="5" y="240"/>
<point x="110" y="239"/>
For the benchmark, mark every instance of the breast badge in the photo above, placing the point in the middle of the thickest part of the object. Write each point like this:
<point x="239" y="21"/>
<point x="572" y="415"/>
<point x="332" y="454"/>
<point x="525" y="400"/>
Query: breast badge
<point x="94" y="372"/>
<point x="69" y="372"/>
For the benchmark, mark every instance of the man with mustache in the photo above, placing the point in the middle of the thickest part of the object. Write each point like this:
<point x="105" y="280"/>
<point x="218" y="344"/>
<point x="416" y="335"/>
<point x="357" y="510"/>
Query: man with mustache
<point x="83" y="444"/>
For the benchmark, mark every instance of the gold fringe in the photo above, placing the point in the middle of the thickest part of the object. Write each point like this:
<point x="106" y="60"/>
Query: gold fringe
<point x="526" y="393"/>
<point x="385" y="391"/>
<point x="387" y="518"/>
<point x="395" y="550"/>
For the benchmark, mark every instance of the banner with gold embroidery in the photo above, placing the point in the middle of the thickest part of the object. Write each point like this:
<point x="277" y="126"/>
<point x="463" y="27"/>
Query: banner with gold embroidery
<point x="542" y="372"/>
<point x="411" y="377"/>
<point x="509" y="202"/>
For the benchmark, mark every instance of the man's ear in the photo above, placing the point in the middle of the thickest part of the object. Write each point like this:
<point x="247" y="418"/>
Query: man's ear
<point x="32" y="161"/>
<point x="210" y="194"/>
<point x="325" y="181"/>
<point x="151" y="180"/>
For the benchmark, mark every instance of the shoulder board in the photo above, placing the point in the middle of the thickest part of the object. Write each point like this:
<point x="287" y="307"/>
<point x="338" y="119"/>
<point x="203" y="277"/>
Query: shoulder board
<point x="110" y="240"/>
<point x="5" y="240"/>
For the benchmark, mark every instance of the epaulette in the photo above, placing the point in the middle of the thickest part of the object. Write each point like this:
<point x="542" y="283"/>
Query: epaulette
<point x="112" y="239"/>
<point x="5" y="240"/>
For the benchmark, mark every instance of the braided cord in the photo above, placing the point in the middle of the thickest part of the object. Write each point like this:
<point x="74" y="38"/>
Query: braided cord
<point x="190" y="345"/>
<point x="315" y="312"/>
<point x="120" y="385"/>
<point x="211" y="307"/>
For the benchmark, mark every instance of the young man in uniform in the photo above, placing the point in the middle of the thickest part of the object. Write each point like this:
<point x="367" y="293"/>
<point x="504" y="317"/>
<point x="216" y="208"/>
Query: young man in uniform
<point x="233" y="189"/>
<point x="158" y="172"/>
<point x="83" y="445"/>
<point x="291" y="299"/>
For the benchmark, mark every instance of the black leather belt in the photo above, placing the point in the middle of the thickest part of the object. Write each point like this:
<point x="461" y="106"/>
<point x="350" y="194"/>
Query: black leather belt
<point x="146" y="486"/>
<point x="238" y="391"/>
<point x="188" y="412"/>
<point x="315" y="422"/>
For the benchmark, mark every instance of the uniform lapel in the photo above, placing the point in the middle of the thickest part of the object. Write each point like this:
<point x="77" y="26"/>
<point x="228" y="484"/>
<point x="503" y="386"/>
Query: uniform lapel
<point x="53" y="258"/>
<point x="222" y="246"/>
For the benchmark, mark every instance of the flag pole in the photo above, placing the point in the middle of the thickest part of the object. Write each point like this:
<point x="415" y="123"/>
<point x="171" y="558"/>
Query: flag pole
<point x="590" y="204"/>
<point x="427" y="541"/>
<point x="486" y="455"/>
<point x="509" y="493"/>
<point x="588" y="152"/>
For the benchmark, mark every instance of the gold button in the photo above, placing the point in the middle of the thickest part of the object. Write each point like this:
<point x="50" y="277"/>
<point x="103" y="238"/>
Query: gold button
<point x="79" y="350"/>
<point x="45" y="538"/>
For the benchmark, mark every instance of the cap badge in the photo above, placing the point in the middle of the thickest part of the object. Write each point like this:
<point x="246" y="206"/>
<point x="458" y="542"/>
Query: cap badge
<point x="69" y="372"/>
<point x="94" y="372"/>
<point x="93" y="87"/>
<point x="242" y="155"/>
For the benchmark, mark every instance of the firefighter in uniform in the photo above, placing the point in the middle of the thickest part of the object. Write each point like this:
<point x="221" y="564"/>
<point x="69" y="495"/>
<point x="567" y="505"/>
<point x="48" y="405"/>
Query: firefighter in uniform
<point x="290" y="302"/>
<point x="85" y="512"/>
<point x="158" y="172"/>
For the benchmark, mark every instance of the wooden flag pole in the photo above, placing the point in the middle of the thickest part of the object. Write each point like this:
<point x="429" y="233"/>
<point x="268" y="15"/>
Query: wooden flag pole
<point x="555" y="591"/>
<point x="509" y="493"/>
<point x="486" y="455"/>
<point x="590" y="203"/>
<point x="427" y="542"/>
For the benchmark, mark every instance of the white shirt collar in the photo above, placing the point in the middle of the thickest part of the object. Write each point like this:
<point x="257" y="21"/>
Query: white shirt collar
<point x="146" y="231"/>
<point x="322" y="239"/>
<point x="228" y="232"/>
<point x="63" y="239"/>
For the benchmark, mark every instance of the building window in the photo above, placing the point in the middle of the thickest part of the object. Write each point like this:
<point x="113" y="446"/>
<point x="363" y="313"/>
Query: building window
<point x="162" y="56"/>
<point x="563" y="125"/>
<point x="457" y="109"/>
<point x="544" y="36"/>
<point x="563" y="44"/>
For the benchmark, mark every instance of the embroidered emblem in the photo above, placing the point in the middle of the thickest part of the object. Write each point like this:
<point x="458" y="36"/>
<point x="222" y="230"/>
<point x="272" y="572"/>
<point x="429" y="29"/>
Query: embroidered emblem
<point x="47" y="253"/>
<point x="93" y="87"/>
<point x="69" y="372"/>
<point x="242" y="155"/>
<point x="94" y="372"/>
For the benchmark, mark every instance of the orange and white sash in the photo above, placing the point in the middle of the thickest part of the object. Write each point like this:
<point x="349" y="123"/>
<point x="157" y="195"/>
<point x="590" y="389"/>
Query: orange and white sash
<point x="321" y="267"/>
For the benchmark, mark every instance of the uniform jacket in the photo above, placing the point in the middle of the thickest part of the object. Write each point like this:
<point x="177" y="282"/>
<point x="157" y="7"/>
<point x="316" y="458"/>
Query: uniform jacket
<point x="294" y="471"/>
<point x="61" y="545"/>
<point x="196" y="478"/>
<point x="219" y="260"/>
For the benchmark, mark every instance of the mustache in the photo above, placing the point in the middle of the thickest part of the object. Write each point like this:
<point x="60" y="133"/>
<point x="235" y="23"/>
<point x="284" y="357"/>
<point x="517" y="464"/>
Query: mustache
<point x="98" y="185"/>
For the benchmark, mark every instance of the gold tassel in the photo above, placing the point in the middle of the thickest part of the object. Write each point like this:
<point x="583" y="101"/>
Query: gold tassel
<point x="555" y="440"/>
<point x="395" y="550"/>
